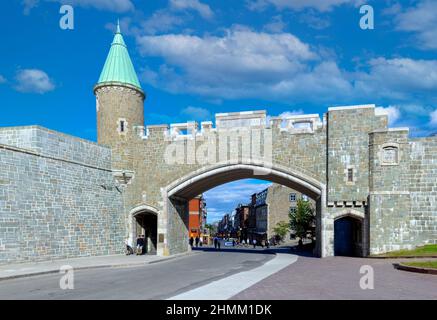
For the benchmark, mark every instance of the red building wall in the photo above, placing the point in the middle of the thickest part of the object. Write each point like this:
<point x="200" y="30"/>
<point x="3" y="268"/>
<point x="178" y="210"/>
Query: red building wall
<point x="195" y="217"/>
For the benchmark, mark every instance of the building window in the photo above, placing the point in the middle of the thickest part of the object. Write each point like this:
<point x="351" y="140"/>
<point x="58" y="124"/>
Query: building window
<point x="292" y="197"/>
<point x="350" y="175"/>
<point x="293" y="210"/>
<point x="122" y="126"/>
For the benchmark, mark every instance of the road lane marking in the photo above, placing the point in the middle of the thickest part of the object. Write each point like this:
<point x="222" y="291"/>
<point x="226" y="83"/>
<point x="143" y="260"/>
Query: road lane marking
<point x="226" y="288"/>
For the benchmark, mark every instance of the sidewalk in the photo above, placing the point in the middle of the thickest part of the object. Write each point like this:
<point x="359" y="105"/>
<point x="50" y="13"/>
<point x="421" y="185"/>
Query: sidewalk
<point x="13" y="271"/>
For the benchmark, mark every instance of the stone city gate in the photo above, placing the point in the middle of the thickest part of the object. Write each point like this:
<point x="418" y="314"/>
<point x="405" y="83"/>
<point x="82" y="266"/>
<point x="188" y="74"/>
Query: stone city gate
<point x="338" y="161"/>
<point x="62" y="196"/>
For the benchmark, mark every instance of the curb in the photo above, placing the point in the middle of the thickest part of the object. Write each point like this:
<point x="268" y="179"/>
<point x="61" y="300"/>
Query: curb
<point x="404" y="267"/>
<point x="126" y="265"/>
<point x="402" y="257"/>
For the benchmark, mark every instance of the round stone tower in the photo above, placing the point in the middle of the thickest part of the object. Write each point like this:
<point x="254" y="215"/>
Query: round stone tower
<point x="119" y="103"/>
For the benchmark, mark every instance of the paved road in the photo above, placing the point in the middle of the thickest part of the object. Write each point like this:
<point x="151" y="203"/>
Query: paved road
<point x="156" y="281"/>
<point x="308" y="278"/>
<point x="338" y="278"/>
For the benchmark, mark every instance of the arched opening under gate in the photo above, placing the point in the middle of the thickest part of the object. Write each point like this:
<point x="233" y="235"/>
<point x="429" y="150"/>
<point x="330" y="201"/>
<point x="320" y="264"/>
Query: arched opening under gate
<point x="145" y="224"/>
<point x="180" y="192"/>
<point x="348" y="236"/>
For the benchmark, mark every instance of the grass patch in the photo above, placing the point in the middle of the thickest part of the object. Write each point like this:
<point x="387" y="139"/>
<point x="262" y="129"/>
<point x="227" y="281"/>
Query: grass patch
<point x="425" y="251"/>
<point x="422" y="264"/>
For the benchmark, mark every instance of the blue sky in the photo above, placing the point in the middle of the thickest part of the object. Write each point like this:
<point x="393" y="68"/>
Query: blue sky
<point x="197" y="57"/>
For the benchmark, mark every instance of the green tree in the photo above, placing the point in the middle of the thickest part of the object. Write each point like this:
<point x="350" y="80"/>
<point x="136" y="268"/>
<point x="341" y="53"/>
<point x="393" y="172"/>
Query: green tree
<point x="302" y="220"/>
<point x="281" y="229"/>
<point x="211" y="228"/>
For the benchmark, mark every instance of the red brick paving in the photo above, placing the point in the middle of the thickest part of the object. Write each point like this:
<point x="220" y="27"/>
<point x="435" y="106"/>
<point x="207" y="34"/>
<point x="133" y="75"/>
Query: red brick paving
<point x="338" y="278"/>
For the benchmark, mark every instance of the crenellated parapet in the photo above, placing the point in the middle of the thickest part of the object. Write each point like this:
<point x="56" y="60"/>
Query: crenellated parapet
<point x="294" y="124"/>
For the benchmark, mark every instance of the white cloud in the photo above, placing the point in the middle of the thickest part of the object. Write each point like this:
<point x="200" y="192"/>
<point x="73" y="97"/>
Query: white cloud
<point x="2" y="79"/>
<point x="314" y="20"/>
<point x="175" y="15"/>
<point x="196" y="113"/>
<point x="33" y="81"/>
<point x="421" y="20"/>
<point x="223" y="199"/>
<point x="118" y="6"/>
<point x="203" y="9"/>
<point x="277" y="25"/>
<point x="392" y="112"/>
<point x="291" y="113"/>
<point x="433" y="118"/>
<point x="235" y="192"/>
<point x="29" y="5"/>
<point x="320" y="5"/>
<point x="398" y="78"/>
<point x="161" y="21"/>
<point x="237" y="64"/>
<point x="243" y="63"/>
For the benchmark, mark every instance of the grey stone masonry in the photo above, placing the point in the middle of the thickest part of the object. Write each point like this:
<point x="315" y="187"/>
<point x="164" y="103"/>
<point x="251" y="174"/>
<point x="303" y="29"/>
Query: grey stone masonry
<point x="348" y="140"/>
<point x="58" y="198"/>
<point x="423" y="189"/>
<point x="58" y="145"/>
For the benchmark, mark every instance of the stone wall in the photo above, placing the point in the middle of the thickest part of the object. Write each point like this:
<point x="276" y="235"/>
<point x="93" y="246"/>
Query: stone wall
<point x="423" y="189"/>
<point x="115" y="103"/>
<point x="57" y="145"/>
<point x="348" y="141"/>
<point x="58" y="198"/>
<point x="389" y="199"/>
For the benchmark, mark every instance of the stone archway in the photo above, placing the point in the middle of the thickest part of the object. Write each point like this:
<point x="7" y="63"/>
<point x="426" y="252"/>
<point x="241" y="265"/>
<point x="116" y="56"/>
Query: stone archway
<point x="144" y="221"/>
<point x="174" y="222"/>
<point x="350" y="233"/>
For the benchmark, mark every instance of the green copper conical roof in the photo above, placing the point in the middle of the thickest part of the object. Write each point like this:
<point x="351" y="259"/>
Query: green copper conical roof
<point x="118" y="66"/>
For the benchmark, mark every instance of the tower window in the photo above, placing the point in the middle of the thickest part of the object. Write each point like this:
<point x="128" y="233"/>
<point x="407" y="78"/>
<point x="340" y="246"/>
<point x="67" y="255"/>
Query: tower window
<point x="292" y="197"/>
<point x="350" y="175"/>
<point x="122" y="126"/>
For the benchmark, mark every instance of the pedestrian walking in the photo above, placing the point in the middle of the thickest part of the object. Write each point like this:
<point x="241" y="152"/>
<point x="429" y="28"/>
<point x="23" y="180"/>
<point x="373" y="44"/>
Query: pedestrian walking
<point x="191" y="242"/>
<point x="254" y="243"/>
<point x="215" y="243"/>
<point x="140" y="245"/>
<point x="201" y="241"/>
<point x="197" y="241"/>
<point x="267" y="244"/>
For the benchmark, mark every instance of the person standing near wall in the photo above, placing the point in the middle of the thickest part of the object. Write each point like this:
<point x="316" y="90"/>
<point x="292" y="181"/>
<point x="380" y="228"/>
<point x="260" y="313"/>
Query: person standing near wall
<point x="128" y="243"/>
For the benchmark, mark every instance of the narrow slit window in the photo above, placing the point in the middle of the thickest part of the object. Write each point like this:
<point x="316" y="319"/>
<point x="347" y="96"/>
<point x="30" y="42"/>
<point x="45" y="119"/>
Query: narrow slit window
<point x="122" y="126"/>
<point x="350" y="175"/>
